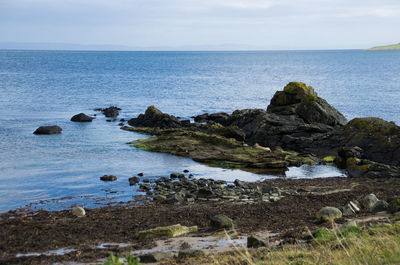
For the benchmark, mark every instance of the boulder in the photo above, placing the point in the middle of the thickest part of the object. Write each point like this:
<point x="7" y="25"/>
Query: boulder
<point x="221" y="221"/>
<point x="299" y="99"/>
<point x="153" y="117"/>
<point x="369" y="201"/>
<point x="380" y="206"/>
<point x="328" y="214"/>
<point x="379" y="139"/>
<point x="255" y="242"/>
<point x="81" y="117"/>
<point x="166" y="231"/>
<point x="351" y="208"/>
<point x="155" y="256"/>
<point x="108" y="178"/>
<point x="54" y="129"/>
<point x="78" y="211"/>
<point x="177" y="176"/>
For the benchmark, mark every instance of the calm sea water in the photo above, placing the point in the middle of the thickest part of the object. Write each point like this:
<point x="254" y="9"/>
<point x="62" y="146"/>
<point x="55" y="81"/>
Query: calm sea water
<point x="49" y="87"/>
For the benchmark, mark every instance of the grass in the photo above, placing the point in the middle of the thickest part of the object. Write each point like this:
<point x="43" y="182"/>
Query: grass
<point x="351" y="245"/>
<point x="387" y="47"/>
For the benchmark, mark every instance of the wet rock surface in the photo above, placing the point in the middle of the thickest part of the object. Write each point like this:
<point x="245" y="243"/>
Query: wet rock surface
<point x="110" y="112"/>
<point x="53" y="129"/>
<point x="81" y="117"/>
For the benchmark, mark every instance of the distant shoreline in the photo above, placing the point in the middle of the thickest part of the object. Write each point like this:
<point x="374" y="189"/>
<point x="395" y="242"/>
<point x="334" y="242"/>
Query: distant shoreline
<point x="386" y="47"/>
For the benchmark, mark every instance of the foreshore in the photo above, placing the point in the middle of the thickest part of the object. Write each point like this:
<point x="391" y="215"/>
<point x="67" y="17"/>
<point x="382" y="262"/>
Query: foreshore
<point x="288" y="219"/>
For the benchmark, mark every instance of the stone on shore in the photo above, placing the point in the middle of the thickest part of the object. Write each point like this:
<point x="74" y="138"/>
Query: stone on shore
<point x="155" y="256"/>
<point x="255" y="242"/>
<point x="369" y="201"/>
<point x="166" y="231"/>
<point x="78" y="211"/>
<point x="328" y="214"/>
<point x="53" y="129"/>
<point x="81" y="117"/>
<point x="133" y="180"/>
<point x="221" y="221"/>
<point x="380" y="206"/>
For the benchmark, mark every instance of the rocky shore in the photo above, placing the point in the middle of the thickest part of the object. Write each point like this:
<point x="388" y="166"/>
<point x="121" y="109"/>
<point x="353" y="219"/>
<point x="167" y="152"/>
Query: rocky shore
<point x="297" y="128"/>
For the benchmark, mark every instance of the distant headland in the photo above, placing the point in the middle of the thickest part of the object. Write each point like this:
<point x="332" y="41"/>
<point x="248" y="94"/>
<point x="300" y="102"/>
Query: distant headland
<point x="386" y="47"/>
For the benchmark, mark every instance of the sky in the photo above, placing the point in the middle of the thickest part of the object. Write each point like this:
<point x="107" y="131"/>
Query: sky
<point x="204" y="24"/>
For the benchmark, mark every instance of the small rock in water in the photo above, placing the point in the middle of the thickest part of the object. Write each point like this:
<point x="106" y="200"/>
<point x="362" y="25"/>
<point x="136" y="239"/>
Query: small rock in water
<point x="121" y="124"/>
<point x="140" y="174"/>
<point x="177" y="175"/>
<point x="78" y="211"/>
<point x="108" y="178"/>
<point x="133" y="180"/>
<point x="81" y="117"/>
<point x="54" y="129"/>
<point x="186" y="171"/>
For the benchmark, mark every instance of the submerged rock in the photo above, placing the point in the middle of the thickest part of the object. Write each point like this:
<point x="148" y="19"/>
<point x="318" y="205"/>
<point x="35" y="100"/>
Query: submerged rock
<point x="54" y="129"/>
<point x="111" y="112"/>
<point x="166" y="231"/>
<point x="81" y="117"/>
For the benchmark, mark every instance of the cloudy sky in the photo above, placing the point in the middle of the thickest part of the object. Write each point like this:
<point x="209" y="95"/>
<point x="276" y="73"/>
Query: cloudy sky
<point x="229" y="24"/>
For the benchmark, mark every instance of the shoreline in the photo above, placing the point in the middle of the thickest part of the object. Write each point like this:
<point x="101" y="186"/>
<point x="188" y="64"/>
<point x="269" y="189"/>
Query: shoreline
<point x="43" y="231"/>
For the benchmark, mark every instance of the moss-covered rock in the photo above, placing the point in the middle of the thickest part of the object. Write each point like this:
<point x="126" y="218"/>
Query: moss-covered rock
<point x="299" y="99"/>
<point x="328" y="214"/>
<point x="221" y="221"/>
<point x="166" y="231"/>
<point x="214" y="150"/>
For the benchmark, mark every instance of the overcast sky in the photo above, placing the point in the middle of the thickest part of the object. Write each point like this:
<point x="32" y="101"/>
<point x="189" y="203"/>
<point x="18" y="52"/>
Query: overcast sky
<point x="258" y="24"/>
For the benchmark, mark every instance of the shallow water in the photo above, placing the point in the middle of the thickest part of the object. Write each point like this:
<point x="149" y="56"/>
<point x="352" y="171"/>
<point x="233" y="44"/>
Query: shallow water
<point x="49" y="87"/>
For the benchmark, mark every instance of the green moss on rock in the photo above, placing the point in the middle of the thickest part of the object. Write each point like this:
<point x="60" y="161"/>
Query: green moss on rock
<point x="166" y="231"/>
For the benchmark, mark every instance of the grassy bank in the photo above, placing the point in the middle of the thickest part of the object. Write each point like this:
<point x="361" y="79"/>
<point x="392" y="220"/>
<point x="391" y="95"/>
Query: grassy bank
<point x="352" y="245"/>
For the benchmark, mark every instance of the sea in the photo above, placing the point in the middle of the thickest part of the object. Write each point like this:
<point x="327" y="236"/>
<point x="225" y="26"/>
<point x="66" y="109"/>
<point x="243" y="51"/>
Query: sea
<point x="55" y="172"/>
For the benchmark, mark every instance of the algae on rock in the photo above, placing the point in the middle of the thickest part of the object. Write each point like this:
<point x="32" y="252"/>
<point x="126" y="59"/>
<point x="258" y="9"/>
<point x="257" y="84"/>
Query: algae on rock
<point x="166" y="231"/>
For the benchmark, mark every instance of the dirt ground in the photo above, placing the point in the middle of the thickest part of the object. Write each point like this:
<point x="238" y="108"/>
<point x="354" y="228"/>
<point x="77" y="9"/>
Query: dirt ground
<point x="26" y="232"/>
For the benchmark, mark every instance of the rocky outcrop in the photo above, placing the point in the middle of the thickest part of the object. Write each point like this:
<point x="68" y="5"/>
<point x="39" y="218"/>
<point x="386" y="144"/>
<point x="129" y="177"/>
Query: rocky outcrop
<point x="379" y="139"/>
<point x="81" y="117"/>
<point x="301" y="100"/>
<point x="54" y="129"/>
<point x="153" y="117"/>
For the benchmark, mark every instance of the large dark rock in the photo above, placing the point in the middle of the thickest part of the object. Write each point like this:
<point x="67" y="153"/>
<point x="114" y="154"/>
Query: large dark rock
<point x="153" y="117"/>
<point x="221" y="221"/>
<point x="81" y="117"/>
<point x="299" y="99"/>
<point x="379" y="139"/>
<point x="54" y="129"/>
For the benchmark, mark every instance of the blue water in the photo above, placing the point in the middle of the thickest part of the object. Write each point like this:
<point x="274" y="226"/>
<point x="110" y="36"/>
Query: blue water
<point x="49" y="87"/>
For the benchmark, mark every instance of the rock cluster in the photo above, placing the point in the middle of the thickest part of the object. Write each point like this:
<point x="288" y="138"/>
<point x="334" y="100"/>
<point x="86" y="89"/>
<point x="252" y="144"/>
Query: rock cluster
<point x="110" y="112"/>
<point x="183" y="190"/>
<point x="155" y="118"/>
